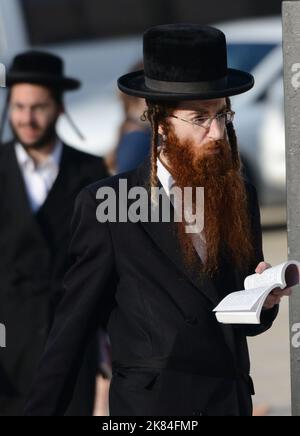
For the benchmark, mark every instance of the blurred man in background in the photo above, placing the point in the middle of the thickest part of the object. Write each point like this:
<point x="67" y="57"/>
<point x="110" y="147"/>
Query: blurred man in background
<point x="39" y="180"/>
<point x="135" y="135"/>
<point x="134" y="139"/>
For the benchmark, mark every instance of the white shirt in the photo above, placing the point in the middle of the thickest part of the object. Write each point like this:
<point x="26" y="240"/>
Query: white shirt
<point x="168" y="182"/>
<point x="39" y="179"/>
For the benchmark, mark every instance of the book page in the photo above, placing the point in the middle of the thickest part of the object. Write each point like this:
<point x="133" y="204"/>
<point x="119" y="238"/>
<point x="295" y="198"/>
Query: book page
<point x="267" y="278"/>
<point x="243" y="300"/>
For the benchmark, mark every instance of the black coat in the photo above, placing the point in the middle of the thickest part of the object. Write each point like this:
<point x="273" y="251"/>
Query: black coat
<point x="170" y="355"/>
<point x="33" y="251"/>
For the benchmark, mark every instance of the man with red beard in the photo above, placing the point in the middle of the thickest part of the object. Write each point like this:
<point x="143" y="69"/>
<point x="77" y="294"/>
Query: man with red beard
<point x="153" y="285"/>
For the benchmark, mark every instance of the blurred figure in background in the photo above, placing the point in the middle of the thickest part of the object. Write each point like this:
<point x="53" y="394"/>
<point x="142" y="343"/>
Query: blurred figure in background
<point x="104" y="375"/>
<point x="134" y="143"/>
<point x="39" y="180"/>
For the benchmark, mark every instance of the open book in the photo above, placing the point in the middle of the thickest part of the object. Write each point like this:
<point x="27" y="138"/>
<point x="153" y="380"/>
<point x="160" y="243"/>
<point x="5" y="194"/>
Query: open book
<point x="244" y="307"/>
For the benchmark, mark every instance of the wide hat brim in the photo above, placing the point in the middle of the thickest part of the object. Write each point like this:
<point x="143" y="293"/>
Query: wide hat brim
<point x="49" y="80"/>
<point x="237" y="82"/>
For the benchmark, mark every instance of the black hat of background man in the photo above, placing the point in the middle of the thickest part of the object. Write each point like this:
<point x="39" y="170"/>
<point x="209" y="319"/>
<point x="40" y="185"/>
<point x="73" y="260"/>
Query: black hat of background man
<point x="185" y="62"/>
<point x="40" y="68"/>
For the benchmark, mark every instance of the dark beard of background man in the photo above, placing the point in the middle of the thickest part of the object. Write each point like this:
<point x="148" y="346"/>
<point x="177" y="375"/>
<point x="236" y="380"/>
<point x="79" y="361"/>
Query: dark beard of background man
<point x="49" y="136"/>
<point x="226" y="218"/>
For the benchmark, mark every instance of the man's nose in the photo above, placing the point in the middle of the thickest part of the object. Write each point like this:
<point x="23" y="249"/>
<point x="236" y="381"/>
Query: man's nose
<point x="216" y="131"/>
<point x="28" y="116"/>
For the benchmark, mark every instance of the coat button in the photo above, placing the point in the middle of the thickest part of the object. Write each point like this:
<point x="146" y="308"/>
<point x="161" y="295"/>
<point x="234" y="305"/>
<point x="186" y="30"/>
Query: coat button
<point x="191" y="320"/>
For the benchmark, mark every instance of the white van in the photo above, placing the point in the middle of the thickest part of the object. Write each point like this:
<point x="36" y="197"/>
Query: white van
<point x="256" y="46"/>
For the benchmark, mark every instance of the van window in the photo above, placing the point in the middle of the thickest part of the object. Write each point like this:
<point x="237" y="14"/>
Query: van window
<point x="60" y="21"/>
<point x="247" y="56"/>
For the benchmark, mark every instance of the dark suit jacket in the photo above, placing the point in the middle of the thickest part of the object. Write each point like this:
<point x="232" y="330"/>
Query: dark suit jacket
<point x="170" y="355"/>
<point x="33" y="251"/>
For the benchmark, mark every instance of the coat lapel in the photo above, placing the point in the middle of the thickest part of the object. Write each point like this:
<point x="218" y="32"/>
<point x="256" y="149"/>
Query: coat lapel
<point x="16" y="196"/>
<point x="64" y="184"/>
<point x="164" y="235"/>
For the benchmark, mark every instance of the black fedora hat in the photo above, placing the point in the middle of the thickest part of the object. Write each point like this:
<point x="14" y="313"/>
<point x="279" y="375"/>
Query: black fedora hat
<point x="40" y="68"/>
<point x="185" y="62"/>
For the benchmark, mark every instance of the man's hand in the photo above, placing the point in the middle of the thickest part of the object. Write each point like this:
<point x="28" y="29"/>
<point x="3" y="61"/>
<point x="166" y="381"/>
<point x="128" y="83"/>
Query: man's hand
<point x="277" y="294"/>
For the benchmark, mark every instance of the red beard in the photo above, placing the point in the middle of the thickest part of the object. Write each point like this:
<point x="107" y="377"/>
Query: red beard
<point x="226" y="220"/>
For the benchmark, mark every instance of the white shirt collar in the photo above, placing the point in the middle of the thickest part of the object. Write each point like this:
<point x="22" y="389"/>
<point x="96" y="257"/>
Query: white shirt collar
<point x="26" y="162"/>
<point x="166" y="179"/>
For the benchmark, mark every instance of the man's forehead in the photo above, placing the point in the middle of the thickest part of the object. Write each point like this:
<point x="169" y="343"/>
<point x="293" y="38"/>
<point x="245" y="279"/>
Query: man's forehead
<point x="30" y="91"/>
<point x="203" y="106"/>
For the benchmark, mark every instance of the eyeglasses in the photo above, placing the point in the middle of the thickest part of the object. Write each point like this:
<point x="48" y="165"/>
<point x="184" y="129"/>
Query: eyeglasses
<point x="38" y="109"/>
<point x="223" y="119"/>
